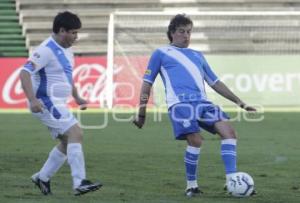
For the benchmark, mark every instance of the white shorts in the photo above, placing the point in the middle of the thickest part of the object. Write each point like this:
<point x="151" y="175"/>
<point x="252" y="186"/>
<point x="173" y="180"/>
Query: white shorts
<point x="58" y="120"/>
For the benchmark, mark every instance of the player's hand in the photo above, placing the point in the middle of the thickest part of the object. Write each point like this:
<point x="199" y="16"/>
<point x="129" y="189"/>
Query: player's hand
<point x="36" y="106"/>
<point x="139" y="121"/>
<point x="248" y="108"/>
<point x="82" y="103"/>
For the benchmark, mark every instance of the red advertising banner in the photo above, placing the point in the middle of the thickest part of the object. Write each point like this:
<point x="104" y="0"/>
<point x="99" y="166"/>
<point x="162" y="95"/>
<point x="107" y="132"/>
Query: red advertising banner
<point x="128" y="77"/>
<point x="12" y="94"/>
<point x="89" y="78"/>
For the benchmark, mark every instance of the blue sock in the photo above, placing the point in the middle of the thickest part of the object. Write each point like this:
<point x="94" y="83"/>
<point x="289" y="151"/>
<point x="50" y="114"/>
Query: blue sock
<point x="191" y="162"/>
<point x="228" y="153"/>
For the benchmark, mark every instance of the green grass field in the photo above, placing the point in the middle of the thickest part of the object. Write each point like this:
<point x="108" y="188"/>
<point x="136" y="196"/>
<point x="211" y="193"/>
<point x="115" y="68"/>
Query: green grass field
<point x="147" y="165"/>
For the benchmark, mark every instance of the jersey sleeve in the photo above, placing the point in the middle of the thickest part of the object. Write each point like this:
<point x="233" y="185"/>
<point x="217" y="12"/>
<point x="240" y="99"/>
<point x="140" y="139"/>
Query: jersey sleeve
<point x="209" y="76"/>
<point x="37" y="60"/>
<point x="153" y="67"/>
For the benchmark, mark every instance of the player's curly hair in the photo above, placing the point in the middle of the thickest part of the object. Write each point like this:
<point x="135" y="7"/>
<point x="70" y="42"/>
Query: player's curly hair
<point x="176" y="21"/>
<point x="66" y="20"/>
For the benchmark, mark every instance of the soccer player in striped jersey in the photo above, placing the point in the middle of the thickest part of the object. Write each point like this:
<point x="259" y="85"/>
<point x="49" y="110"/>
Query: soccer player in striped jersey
<point x="183" y="71"/>
<point x="47" y="82"/>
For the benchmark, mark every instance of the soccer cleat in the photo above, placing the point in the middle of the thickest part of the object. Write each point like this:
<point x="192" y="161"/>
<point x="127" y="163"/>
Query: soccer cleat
<point x="225" y="187"/>
<point x="42" y="185"/>
<point x="191" y="192"/>
<point x="253" y="193"/>
<point x="86" y="186"/>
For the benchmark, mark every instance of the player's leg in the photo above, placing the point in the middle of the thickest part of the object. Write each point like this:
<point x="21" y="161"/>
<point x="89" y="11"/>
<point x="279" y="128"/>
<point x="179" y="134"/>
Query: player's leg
<point x="56" y="158"/>
<point x="228" y="146"/>
<point x="75" y="154"/>
<point x="76" y="161"/>
<point x="192" y="153"/>
<point x="185" y="127"/>
<point x="214" y="120"/>
<point x="62" y="146"/>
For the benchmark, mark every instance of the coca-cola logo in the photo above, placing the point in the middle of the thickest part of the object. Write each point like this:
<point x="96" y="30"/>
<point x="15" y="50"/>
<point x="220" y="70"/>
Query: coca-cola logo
<point x="89" y="78"/>
<point x="12" y="90"/>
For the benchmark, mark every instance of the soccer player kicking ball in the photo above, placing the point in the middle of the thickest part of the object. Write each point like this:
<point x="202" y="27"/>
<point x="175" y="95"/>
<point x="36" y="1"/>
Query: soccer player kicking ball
<point x="47" y="82"/>
<point x="183" y="71"/>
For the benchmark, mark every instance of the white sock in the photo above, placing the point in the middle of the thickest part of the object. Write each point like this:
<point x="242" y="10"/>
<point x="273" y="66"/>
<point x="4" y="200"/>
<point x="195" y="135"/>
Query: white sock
<point x="55" y="160"/>
<point x="191" y="184"/>
<point x="76" y="162"/>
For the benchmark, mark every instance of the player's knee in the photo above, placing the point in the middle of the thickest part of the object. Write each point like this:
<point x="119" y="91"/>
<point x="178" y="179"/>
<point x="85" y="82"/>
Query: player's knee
<point x="230" y="134"/>
<point x="234" y="134"/>
<point x="225" y="130"/>
<point x="198" y="143"/>
<point x="75" y="135"/>
<point x="79" y="132"/>
<point x="194" y="140"/>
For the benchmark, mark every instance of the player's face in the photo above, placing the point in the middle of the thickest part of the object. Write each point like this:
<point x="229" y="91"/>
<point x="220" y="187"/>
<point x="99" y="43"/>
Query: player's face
<point x="69" y="37"/>
<point x="182" y="35"/>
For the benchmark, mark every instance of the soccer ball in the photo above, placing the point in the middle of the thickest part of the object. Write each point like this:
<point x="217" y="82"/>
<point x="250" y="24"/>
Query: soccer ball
<point x="240" y="184"/>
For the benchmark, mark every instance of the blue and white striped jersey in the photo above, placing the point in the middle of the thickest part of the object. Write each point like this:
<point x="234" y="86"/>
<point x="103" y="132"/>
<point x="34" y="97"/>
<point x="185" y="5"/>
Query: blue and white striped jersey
<point x="183" y="71"/>
<point x="52" y="70"/>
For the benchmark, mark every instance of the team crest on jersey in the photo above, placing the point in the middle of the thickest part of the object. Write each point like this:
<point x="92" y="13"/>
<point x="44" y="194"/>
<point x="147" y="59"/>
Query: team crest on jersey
<point x="148" y="72"/>
<point x="37" y="55"/>
<point x="186" y="123"/>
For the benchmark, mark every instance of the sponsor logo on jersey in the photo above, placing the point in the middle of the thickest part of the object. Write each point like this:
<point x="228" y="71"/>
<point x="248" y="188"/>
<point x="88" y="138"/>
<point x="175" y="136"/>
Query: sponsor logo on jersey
<point x="186" y="123"/>
<point x="36" y="55"/>
<point x="148" y="72"/>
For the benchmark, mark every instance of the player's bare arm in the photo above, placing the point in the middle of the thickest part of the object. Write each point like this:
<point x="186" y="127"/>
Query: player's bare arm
<point x="35" y="105"/>
<point x="223" y="90"/>
<point x="139" y="121"/>
<point x="79" y="101"/>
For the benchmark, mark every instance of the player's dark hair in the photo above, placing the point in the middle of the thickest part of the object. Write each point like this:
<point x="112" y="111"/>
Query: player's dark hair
<point x="176" y="21"/>
<point x="66" y="20"/>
